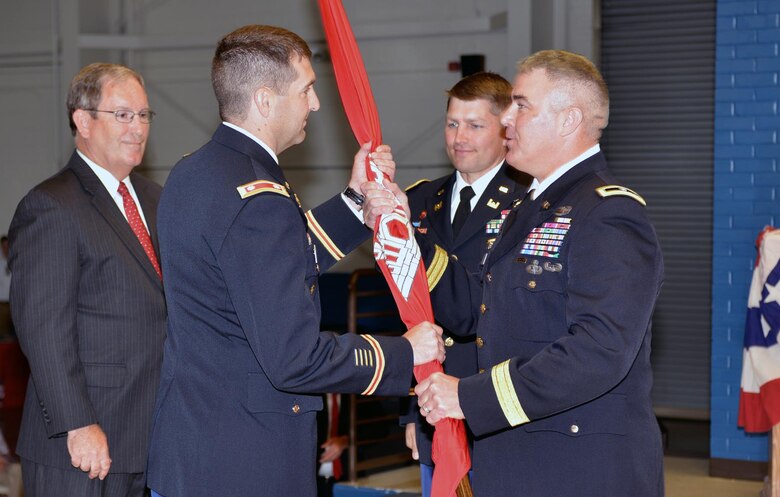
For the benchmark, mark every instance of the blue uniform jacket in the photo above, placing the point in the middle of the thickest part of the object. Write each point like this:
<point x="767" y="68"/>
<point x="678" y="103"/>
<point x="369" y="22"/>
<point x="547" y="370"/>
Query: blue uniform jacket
<point x="244" y="358"/>
<point x="562" y="308"/>
<point x="430" y="205"/>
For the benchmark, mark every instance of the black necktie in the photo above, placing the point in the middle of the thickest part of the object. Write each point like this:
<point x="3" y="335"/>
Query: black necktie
<point x="464" y="209"/>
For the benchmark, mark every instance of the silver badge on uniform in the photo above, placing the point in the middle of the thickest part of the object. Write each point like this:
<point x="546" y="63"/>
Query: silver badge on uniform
<point x="563" y="210"/>
<point x="553" y="267"/>
<point x="534" y="268"/>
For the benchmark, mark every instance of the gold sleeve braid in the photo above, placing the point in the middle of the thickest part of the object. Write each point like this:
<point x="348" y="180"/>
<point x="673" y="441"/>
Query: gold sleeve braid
<point x="322" y="236"/>
<point x="507" y="396"/>
<point x="379" y="364"/>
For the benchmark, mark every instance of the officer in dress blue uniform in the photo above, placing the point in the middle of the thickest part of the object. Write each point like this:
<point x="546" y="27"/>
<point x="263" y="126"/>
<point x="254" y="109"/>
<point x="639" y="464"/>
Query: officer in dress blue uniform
<point x="474" y="138"/>
<point x="244" y="358"/>
<point x="562" y="309"/>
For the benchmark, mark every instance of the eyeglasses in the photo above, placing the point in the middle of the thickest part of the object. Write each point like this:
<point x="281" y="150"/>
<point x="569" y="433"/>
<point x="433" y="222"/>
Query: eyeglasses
<point x="126" y="116"/>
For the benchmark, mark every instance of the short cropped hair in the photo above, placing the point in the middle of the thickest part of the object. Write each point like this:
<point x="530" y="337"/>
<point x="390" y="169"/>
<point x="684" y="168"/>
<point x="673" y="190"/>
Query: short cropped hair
<point x="249" y="58"/>
<point x="86" y="88"/>
<point x="579" y="79"/>
<point x="483" y="85"/>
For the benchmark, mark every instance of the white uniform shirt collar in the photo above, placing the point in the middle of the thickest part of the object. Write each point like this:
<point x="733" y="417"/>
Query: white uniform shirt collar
<point x="479" y="187"/>
<point x="112" y="186"/>
<point x="253" y="137"/>
<point x="541" y="187"/>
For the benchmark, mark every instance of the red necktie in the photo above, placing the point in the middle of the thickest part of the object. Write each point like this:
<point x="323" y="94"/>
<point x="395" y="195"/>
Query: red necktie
<point x="334" y="432"/>
<point x="131" y="211"/>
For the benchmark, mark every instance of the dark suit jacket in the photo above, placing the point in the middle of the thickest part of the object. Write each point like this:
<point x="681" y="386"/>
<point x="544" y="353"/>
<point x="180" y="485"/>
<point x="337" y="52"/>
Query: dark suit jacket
<point x="323" y="429"/>
<point x="430" y="205"/>
<point x="90" y="315"/>
<point x="245" y="360"/>
<point x="563" y="308"/>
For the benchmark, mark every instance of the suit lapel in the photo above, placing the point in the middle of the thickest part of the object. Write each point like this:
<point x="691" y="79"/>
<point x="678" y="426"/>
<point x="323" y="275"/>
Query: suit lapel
<point x="526" y="216"/>
<point x="531" y="214"/>
<point x="108" y="209"/>
<point x="438" y="207"/>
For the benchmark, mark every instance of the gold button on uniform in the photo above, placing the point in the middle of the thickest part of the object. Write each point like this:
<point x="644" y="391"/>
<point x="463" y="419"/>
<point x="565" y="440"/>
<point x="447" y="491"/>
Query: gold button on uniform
<point x="480" y="342"/>
<point x="574" y="429"/>
<point x="313" y="287"/>
<point x="481" y="370"/>
<point x="483" y="308"/>
<point x="296" y="408"/>
<point x="532" y="284"/>
<point x="448" y="342"/>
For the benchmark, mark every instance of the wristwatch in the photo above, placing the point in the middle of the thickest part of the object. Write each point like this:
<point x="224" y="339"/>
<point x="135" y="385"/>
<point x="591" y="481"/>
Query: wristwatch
<point x="354" y="196"/>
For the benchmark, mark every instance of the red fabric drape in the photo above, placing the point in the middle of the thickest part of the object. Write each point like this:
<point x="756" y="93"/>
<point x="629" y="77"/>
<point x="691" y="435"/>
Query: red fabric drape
<point x="394" y="243"/>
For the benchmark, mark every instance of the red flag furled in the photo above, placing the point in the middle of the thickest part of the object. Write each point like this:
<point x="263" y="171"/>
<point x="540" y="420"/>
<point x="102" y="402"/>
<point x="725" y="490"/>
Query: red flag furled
<point x="395" y="248"/>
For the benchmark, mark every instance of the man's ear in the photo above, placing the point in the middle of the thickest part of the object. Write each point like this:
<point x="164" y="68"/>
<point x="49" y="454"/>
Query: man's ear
<point x="83" y="122"/>
<point x="264" y="101"/>
<point x="570" y="120"/>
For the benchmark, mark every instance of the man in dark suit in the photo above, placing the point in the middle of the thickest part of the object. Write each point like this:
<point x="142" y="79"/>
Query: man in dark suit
<point x="562" y="306"/>
<point x="474" y="138"/>
<point x="87" y="299"/>
<point x="333" y="442"/>
<point x="245" y="362"/>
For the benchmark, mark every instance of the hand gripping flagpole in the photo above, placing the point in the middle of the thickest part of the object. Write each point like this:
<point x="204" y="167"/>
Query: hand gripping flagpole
<point x="395" y="249"/>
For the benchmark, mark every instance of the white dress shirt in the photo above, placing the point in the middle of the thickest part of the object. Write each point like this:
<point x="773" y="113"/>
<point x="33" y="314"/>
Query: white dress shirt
<point x="112" y="185"/>
<point x="479" y="187"/>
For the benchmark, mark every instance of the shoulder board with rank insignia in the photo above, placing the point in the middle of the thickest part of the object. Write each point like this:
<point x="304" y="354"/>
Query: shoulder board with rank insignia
<point x="261" y="186"/>
<point x="620" y="191"/>
<point x="416" y="183"/>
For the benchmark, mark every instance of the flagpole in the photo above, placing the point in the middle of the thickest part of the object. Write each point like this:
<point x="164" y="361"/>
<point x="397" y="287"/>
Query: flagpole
<point x="772" y="485"/>
<point x="464" y="488"/>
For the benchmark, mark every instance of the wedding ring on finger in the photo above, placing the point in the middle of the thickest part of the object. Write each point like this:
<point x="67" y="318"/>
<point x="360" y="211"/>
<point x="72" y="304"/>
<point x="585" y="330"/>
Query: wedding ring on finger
<point x="426" y="409"/>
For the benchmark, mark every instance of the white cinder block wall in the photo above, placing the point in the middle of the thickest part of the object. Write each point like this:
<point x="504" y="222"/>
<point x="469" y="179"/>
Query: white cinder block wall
<point x="406" y="46"/>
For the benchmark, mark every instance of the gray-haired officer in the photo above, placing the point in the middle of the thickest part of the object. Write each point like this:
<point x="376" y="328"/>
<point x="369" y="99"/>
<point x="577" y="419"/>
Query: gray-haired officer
<point x="562" y="308"/>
